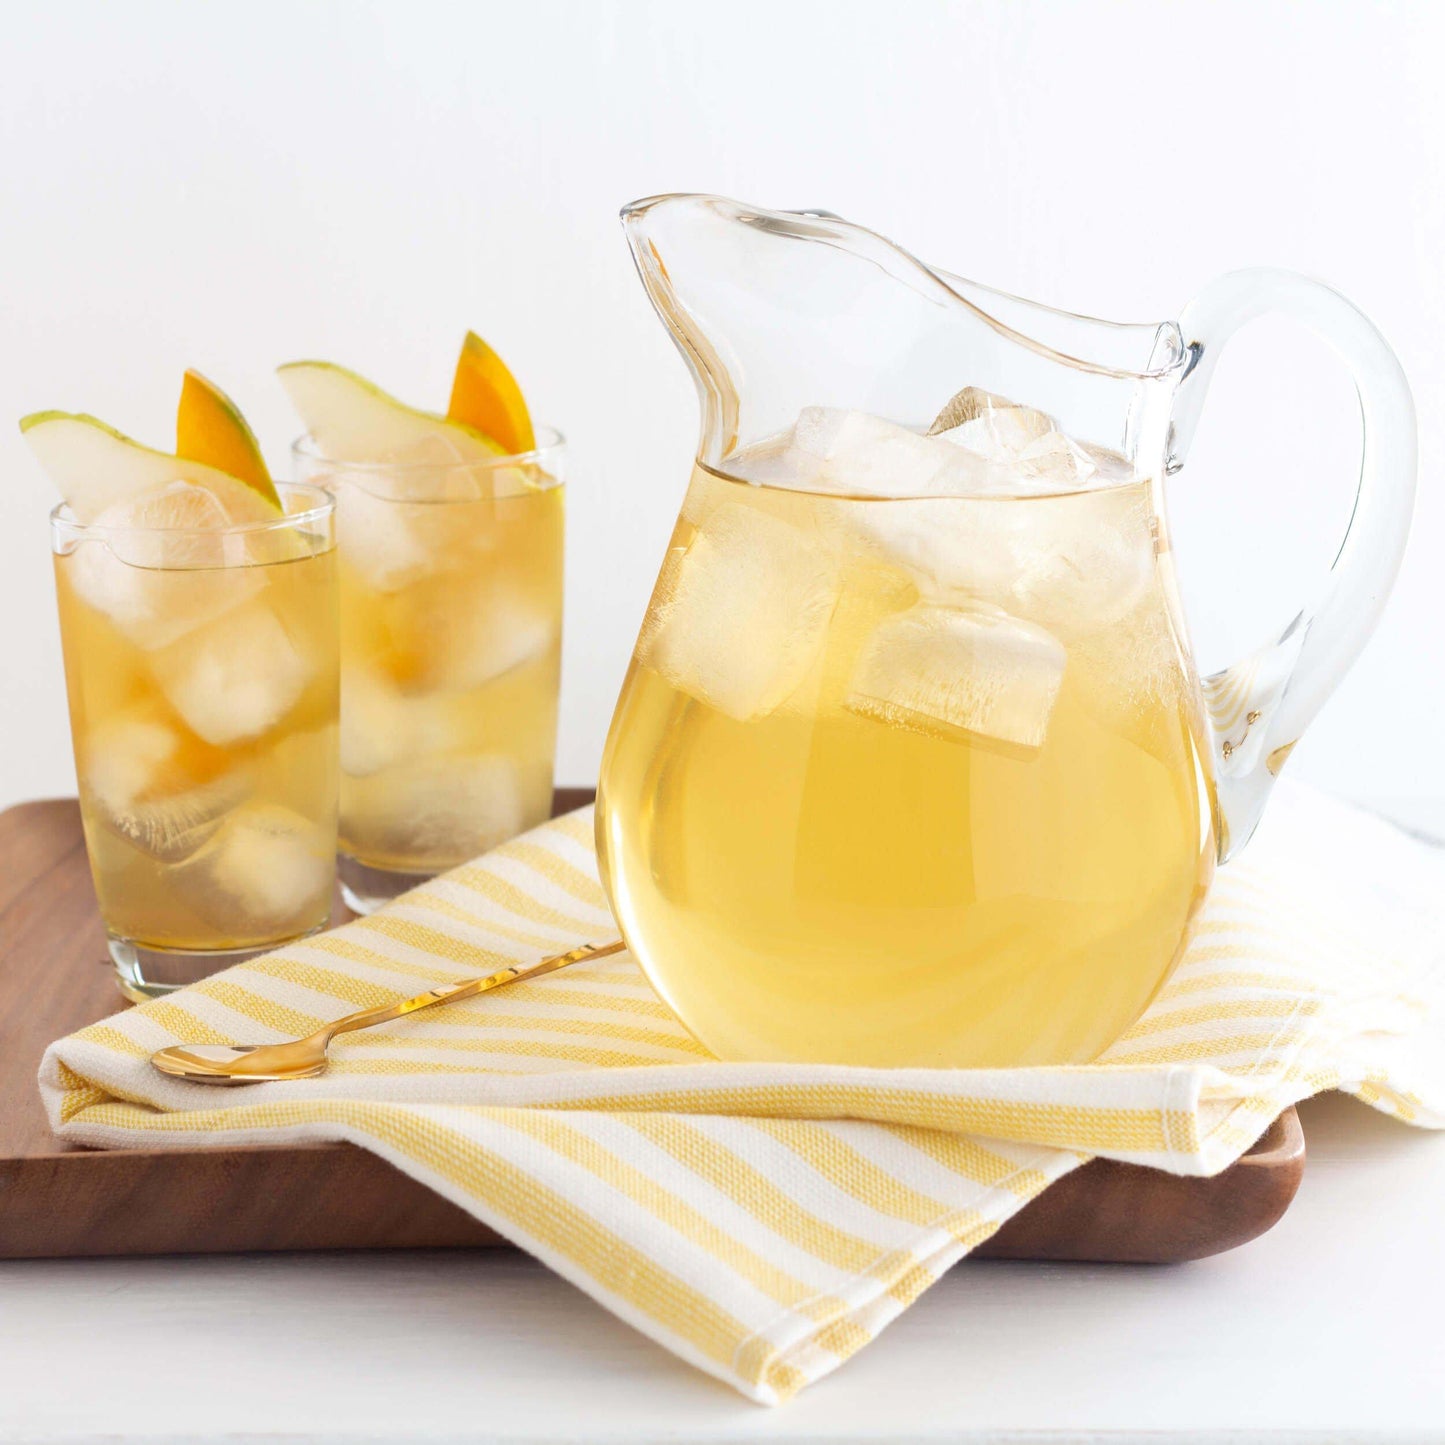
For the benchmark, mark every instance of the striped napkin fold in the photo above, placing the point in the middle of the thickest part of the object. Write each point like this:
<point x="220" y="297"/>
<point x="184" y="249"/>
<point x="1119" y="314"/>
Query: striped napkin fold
<point x="763" y="1222"/>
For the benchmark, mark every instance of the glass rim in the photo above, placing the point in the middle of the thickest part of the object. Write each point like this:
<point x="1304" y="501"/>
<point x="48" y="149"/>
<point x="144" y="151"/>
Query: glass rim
<point x="323" y="504"/>
<point x="549" y="441"/>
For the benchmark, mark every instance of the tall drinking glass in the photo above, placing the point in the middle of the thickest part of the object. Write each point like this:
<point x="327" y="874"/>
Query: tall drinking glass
<point x="451" y="631"/>
<point x="201" y="669"/>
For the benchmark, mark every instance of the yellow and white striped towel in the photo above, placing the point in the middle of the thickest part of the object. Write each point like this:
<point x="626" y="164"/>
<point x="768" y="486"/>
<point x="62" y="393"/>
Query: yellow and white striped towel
<point x="763" y="1221"/>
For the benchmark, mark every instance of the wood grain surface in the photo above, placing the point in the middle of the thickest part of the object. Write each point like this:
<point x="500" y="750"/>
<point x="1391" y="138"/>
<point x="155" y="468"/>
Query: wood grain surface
<point x="59" y="1200"/>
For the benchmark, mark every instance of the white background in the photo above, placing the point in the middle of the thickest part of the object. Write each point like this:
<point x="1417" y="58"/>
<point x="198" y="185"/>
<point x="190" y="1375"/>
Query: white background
<point x="233" y="185"/>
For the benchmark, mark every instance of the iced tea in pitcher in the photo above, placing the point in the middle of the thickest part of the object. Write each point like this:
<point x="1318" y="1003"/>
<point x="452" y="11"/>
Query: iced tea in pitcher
<point x="903" y="711"/>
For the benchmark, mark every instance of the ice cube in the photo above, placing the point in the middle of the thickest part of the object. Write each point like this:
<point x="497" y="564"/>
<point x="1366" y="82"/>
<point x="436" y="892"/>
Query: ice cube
<point x="135" y="780"/>
<point x="269" y="864"/>
<point x="375" y="725"/>
<point x="1075" y="563"/>
<point x="126" y="756"/>
<point x="477" y="628"/>
<point x="378" y="537"/>
<point x="437" y="811"/>
<point x="381" y="725"/>
<point x="435" y="463"/>
<point x="856" y="453"/>
<point x="161" y="565"/>
<point x="1083" y="560"/>
<point x="174" y="827"/>
<point x="1134" y="668"/>
<point x="1029" y="462"/>
<point x="739" y="615"/>
<point x="237" y="678"/>
<point x="960" y="671"/>
<point x="509" y="631"/>
<point x="445" y="467"/>
<point x="1054" y="460"/>
<point x="177" y="525"/>
<point x="1023" y="442"/>
<point x="973" y="404"/>
<point x="999" y="435"/>
<point x="951" y="546"/>
<point x="393" y="531"/>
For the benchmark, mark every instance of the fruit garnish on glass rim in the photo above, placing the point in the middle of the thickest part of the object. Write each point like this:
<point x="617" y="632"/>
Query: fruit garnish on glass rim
<point x="211" y="429"/>
<point x="485" y="395"/>
<point x="351" y="419"/>
<point x="103" y="475"/>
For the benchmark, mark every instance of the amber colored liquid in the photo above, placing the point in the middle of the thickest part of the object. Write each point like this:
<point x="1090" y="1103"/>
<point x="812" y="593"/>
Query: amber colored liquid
<point x="840" y="877"/>
<point x="451" y="623"/>
<point x="203" y="709"/>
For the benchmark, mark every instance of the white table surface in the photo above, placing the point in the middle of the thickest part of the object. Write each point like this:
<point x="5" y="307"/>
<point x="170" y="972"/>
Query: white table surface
<point x="1330" y="1328"/>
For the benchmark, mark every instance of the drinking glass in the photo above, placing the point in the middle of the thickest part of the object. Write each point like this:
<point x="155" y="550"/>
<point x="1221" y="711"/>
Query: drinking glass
<point x="201" y="671"/>
<point x="451" y="631"/>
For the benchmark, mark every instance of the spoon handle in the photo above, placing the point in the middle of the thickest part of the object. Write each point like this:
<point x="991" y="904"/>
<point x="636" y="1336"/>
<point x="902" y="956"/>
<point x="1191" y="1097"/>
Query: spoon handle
<point x="448" y="992"/>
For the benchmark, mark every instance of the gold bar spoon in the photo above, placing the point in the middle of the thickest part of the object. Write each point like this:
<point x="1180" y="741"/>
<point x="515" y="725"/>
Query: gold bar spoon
<point x="305" y="1058"/>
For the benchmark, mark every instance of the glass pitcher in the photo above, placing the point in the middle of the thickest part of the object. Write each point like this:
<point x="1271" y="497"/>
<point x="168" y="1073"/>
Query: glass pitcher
<point x="912" y="765"/>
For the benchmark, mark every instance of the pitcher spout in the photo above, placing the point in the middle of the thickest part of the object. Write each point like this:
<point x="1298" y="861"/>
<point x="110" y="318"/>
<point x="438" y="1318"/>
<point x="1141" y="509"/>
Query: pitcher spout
<point x="774" y="311"/>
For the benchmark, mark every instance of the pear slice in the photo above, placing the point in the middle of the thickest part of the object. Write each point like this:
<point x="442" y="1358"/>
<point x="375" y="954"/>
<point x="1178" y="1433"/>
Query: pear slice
<point x="351" y="420"/>
<point x="211" y="429"/>
<point x="485" y="395"/>
<point x="96" y="468"/>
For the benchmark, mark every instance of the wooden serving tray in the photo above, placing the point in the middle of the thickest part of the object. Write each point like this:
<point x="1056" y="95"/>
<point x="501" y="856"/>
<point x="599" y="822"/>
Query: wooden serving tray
<point x="56" y="1199"/>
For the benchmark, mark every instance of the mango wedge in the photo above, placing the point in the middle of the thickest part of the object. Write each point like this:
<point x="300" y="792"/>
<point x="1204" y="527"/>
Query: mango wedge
<point x="486" y="397"/>
<point x="210" y="429"/>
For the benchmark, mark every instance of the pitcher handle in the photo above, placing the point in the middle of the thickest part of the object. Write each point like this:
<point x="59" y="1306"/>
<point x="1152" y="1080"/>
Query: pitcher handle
<point x="1259" y="707"/>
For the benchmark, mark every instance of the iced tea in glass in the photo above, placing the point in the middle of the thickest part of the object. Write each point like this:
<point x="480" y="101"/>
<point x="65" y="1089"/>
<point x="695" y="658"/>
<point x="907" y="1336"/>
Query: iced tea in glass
<point x="201" y="669"/>
<point x="451" y="627"/>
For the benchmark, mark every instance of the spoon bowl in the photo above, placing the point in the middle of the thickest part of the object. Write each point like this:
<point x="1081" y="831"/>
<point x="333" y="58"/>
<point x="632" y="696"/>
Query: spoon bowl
<point x="241" y="1063"/>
